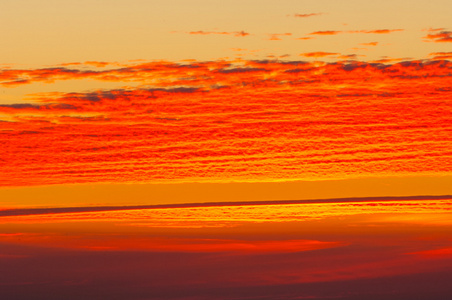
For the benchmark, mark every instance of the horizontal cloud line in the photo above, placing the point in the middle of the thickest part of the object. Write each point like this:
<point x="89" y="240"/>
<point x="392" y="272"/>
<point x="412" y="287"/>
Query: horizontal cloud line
<point x="234" y="33"/>
<point x="307" y="15"/>
<point x="375" y="31"/>
<point x="63" y="210"/>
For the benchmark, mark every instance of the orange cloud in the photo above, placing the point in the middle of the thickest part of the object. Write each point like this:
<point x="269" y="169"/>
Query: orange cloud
<point x="326" y="32"/>
<point x="441" y="55"/>
<point x="318" y="54"/>
<point x="276" y="36"/>
<point x="230" y="120"/>
<point x="370" y="44"/>
<point x="99" y="64"/>
<point x="234" y="33"/>
<point x="435" y="253"/>
<point x="377" y="31"/>
<point x="442" y="36"/>
<point x="385" y="59"/>
<point x="307" y="15"/>
<point x="140" y="243"/>
<point x="350" y="56"/>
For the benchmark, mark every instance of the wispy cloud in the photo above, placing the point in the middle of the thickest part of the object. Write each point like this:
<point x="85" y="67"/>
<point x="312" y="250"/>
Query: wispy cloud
<point x="401" y="200"/>
<point x="307" y="15"/>
<point x="318" y="54"/>
<point x="439" y="36"/>
<point x="277" y="36"/>
<point x="326" y="32"/>
<point x="234" y="33"/>
<point x="441" y="55"/>
<point x="376" y="31"/>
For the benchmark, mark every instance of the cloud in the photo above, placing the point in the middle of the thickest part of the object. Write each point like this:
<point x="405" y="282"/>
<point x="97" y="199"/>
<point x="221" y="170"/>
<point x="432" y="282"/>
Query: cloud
<point x="326" y="32"/>
<point x="307" y="15"/>
<point x="441" y="55"/>
<point x="443" y="36"/>
<point x="385" y="59"/>
<point x="240" y="70"/>
<point x="33" y="107"/>
<point x="370" y="44"/>
<point x="435" y="253"/>
<point x="244" y="120"/>
<point x="276" y="36"/>
<point x="92" y="209"/>
<point x="318" y="54"/>
<point x="234" y="33"/>
<point x="99" y="64"/>
<point x="350" y="56"/>
<point x="376" y="31"/>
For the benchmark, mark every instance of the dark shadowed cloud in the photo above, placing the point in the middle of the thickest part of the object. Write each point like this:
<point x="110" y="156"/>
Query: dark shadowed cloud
<point x="65" y="210"/>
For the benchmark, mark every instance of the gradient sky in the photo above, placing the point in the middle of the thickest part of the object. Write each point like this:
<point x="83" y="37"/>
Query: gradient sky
<point x="110" y="107"/>
<point x="159" y="92"/>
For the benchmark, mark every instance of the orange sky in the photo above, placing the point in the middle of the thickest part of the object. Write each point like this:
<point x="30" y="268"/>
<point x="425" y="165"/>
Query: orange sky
<point x="338" y="114"/>
<point x="244" y="248"/>
<point x="315" y="93"/>
<point x="223" y="121"/>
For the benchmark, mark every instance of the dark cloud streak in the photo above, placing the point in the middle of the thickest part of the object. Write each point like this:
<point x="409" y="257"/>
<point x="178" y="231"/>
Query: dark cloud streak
<point x="64" y="210"/>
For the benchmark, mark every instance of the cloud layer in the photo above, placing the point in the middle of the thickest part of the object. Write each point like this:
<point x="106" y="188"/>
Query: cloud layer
<point x="439" y="36"/>
<point x="230" y="120"/>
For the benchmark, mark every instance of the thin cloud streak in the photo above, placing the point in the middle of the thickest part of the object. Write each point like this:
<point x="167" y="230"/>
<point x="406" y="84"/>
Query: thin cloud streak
<point x="66" y="210"/>
<point x="307" y="15"/>
<point x="277" y="36"/>
<point x="376" y="31"/>
<point x="318" y="54"/>
<point x="234" y="33"/>
<point x="442" y="36"/>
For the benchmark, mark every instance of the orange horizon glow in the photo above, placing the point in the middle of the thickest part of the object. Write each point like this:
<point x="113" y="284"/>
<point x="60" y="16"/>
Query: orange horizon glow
<point x="354" y="240"/>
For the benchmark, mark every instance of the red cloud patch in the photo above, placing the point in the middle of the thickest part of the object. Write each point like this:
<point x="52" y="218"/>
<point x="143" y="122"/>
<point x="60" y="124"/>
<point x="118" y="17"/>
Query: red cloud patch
<point x="219" y="120"/>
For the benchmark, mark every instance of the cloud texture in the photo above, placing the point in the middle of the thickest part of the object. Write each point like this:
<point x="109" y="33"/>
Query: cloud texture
<point x="230" y="120"/>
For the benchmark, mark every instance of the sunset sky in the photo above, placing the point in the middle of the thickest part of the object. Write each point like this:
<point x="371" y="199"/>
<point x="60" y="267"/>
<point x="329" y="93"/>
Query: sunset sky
<point x="109" y="108"/>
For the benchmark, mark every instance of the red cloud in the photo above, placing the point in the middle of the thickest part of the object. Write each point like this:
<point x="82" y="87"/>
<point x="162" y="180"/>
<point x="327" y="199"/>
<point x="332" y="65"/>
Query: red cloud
<point x="220" y="120"/>
<point x="99" y="64"/>
<point x="318" y="54"/>
<point x="441" y="55"/>
<point x="377" y="31"/>
<point x="440" y="37"/>
<point x="276" y="36"/>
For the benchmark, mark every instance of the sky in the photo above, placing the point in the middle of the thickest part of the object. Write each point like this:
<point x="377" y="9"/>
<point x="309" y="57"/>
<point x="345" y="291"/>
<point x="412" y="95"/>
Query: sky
<point x="206" y="108"/>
